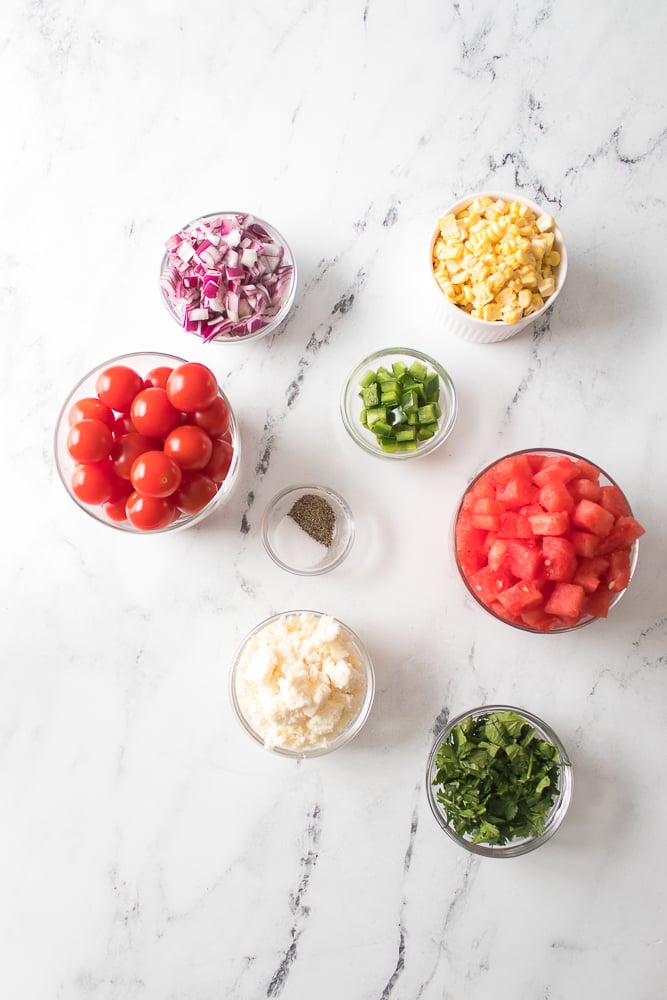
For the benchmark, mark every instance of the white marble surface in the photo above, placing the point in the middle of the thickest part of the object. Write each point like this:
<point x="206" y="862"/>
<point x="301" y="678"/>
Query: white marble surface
<point x="149" y="850"/>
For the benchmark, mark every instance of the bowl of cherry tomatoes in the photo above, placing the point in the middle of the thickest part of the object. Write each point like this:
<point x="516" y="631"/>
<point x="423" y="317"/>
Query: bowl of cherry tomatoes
<point x="147" y="443"/>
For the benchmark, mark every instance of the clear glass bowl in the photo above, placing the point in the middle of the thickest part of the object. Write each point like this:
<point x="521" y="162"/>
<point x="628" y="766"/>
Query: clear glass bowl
<point x="142" y="363"/>
<point x="302" y="550"/>
<point x="481" y="331"/>
<point x="351" y="404"/>
<point x="272" y="323"/>
<point x="241" y="692"/>
<point x="585" y="619"/>
<point x="558" y="808"/>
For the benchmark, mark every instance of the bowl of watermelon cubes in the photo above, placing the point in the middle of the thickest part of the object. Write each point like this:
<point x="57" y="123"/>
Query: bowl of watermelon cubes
<point x="545" y="540"/>
<point x="147" y="443"/>
<point x="399" y="403"/>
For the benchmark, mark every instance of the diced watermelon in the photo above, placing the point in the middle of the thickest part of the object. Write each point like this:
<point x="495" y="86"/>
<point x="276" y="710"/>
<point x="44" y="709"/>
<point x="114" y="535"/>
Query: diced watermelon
<point x="598" y="603"/>
<point x="555" y="470"/>
<point x="560" y="559"/>
<point x="556" y="496"/>
<point x="618" y="574"/>
<point x="589" y="573"/>
<point x="585" y="544"/>
<point x="587" y="470"/>
<point x="497" y="552"/>
<point x="584" y="489"/>
<point x="512" y="467"/>
<point x="555" y="523"/>
<point x="488" y="583"/>
<point x="485" y="522"/>
<point x="524" y="559"/>
<point x="520" y="597"/>
<point x="517" y="492"/>
<point x="537" y="619"/>
<point x="469" y="543"/>
<point x="612" y="499"/>
<point x="566" y="600"/>
<point x="514" y="524"/>
<point x="592" y="517"/>
<point x="625" y="532"/>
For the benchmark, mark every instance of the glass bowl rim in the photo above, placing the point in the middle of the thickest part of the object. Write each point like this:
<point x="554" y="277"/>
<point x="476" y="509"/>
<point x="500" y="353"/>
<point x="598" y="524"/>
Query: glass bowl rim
<point x="634" y="548"/>
<point x="188" y="520"/>
<point x="276" y="320"/>
<point x="367" y="441"/>
<point x="461" y="203"/>
<point x="329" y="493"/>
<point x="557" y="811"/>
<point x="355" y="724"/>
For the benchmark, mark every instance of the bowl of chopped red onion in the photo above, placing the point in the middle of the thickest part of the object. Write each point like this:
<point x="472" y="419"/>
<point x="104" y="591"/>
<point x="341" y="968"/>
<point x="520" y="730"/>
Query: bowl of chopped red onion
<point x="228" y="277"/>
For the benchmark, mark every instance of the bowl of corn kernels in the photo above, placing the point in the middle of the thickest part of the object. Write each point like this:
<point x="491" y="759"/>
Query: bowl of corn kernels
<point x="498" y="263"/>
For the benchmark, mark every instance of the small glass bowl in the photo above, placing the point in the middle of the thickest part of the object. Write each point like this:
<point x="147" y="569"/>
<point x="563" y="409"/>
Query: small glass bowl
<point x="558" y="808"/>
<point x="352" y="725"/>
<point x="175" y="309"/>
<point x="480" y="331"/>
<point x="586" y="619"/>
<point x="351" y="404"/>
<point x="142" y="363"/>
<point x="297" y="549"/>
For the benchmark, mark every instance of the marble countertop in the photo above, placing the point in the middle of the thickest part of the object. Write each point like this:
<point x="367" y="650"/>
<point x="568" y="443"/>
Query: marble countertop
<point x="148" y="849"/>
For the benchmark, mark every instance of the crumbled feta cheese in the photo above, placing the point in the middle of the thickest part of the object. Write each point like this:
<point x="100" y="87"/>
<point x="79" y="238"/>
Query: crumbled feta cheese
<point x="300" y="681"/>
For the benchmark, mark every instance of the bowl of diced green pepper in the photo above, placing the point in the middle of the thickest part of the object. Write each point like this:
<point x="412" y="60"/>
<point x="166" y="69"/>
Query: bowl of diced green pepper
<point x="399" y="404"/>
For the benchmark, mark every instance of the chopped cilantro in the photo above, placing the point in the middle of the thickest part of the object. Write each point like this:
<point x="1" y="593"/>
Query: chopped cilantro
<point x="496" y="778"/>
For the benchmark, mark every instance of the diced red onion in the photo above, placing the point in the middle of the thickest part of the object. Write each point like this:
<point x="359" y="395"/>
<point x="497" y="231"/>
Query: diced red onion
<point x="225" y="276"/>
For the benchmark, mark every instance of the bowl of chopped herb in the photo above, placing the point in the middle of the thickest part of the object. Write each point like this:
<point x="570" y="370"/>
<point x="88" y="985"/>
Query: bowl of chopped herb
<point x="399" y="404"/>
<point x="499" y="781"/>
<point x="307" y="529"/>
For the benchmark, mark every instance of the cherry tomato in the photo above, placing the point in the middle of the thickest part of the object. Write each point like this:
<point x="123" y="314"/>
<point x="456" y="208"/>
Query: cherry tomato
<point x="157" y="377"/>
<point x="192" y="386"/>
<point x="115" y="506"/>
<point x="90" y="408"/>
<point x="214" y="419"/>
<point x="150" y="513"/>
<point x="128" y="448"/>
<point x="117" y="386"/>
<point x="123" y="425"/>
<point x="189" y="446"/>
<point x="89" y="441"/>
<point x="220" y="461"/>
<point x="195" y="492"/>
<point x="155" y="474"/>
<point x="93" y="483"/>
<point x="153" y="414"/>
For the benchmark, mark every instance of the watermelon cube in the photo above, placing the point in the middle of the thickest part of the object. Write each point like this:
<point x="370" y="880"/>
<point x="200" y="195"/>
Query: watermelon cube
<point x="589" y="573"/>
<point x="512" y="467"/>
<point x="585" y="544"/>
<point x="520" y="597"/>
<point x="566" y="601"/>
<point x="488" y="583"/>
<point x="618" y="574"/>
<point x="556" y="496"/>
<point x="597" y="604"/>
<point x="555" y="470"/>
<point x="497" y="552"/>
<point x="584" y="489"/>
<point x="625" y="532"/>
<point x="593" y="517"/>
<point x="517" y="492"/>
<point x="514" y="524"/>
<point x="613" y="500"/>
<point x="555" y="523"/>
<point x="524" y="559"/>
<point x="560" y="559"/>
<point x="587" y="470"/>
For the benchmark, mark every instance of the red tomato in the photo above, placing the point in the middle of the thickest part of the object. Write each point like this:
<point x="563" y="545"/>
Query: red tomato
<point x="214" y="419"/>
<point x="123" y="425"/>
<point x="89" y="441"/>
<point x="153" y="414"/>
<point x="192" y="386"/>
<point x="128" y="448"/>
<point x="155" y="474"/>
<point x="93" y="483"/>
<point x="220" y="461"/>
<point x="189" y="446"/>
<point x="195" y="492"/>
<point x="90" y="408"/>
<point x="117" y="386"/>
<point x="115" y="506"/>
<point x="157" y="377"/>
<point x="150" y="513"/>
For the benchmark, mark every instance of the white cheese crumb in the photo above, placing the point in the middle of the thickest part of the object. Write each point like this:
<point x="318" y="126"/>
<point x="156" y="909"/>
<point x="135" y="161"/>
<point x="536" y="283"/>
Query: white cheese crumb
<point x="300" y="681"/>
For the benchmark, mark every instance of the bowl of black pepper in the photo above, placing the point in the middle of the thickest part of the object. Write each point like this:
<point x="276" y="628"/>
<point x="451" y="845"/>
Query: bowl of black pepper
<point x="307" y="529"/>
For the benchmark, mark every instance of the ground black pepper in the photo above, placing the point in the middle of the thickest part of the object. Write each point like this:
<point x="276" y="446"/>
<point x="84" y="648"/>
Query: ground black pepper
<point x="315" y="516"/>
